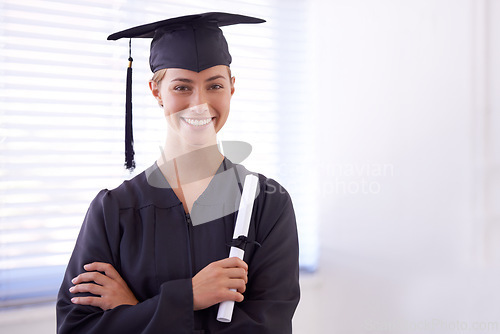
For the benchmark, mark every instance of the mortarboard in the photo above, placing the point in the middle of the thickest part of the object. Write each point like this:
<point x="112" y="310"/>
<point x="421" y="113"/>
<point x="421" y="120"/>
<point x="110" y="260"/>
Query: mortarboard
<point x="192" y="42"/>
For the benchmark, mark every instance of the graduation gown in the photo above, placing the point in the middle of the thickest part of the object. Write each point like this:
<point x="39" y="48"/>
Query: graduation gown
<point x="142" y="230"/>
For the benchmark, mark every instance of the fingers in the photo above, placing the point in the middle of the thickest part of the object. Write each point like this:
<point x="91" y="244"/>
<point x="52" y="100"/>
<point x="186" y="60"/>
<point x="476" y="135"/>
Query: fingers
<point x="232" y="295"/>
<point x="232" y="275"/>
<point x="93" y="301"/>
<point x="233" y="262"/>
<point x="93" y="276"/>
<point x="220" y="281"/>
<point x="88" y="287"/>
<point x="94" y="273"/>
<point x="237" y="284"/>
<point x="237" y="273"/>
<point x="103" y="281"/>
<point x="107" y="268"/>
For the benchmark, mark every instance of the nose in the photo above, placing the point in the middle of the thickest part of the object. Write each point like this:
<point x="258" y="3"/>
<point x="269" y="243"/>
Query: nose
<point x="200" y="109"/>
<point x="198" y="98"/>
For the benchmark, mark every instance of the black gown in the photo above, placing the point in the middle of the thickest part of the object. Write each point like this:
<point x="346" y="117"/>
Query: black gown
<point x="142" y="230"/>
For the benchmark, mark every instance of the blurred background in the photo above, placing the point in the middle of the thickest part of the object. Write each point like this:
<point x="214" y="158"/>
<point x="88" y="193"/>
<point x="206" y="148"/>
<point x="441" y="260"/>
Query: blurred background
<point x="380" y="117"/>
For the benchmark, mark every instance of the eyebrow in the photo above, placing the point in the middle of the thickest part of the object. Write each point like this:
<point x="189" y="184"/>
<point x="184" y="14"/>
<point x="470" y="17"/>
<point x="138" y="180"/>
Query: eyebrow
<point x="215" y="77"/>
<point x="182" y="80"/>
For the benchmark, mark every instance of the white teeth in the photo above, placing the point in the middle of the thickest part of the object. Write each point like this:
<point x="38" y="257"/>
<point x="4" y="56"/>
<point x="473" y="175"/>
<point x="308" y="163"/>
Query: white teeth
<point x="198" y="122"/>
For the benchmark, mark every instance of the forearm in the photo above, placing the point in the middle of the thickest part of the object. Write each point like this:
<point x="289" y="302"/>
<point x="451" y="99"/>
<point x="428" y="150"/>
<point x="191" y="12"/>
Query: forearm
<point x="172" y="308"/>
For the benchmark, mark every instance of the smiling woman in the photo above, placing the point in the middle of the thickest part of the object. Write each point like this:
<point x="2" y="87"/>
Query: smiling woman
<point x="154" y="250"/>
<point x="60" y="131"/>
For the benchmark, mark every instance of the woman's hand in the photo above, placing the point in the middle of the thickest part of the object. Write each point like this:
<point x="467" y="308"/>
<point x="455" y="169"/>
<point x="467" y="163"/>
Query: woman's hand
<point x="213" y="283"/>
<point x="110" y="287"/>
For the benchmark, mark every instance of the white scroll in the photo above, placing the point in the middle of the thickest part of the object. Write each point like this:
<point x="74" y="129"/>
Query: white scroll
<point x="241" y="229"/>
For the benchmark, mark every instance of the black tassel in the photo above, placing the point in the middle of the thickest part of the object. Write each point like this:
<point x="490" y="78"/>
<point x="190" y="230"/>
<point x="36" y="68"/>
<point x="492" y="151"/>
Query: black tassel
<point x="129" y="137"/>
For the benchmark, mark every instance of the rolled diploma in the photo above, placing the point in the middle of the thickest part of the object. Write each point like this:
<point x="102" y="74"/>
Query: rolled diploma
<point x="241" y="228"/>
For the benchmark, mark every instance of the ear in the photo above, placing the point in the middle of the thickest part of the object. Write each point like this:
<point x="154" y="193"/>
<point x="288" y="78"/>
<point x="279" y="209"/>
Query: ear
<point x="155" y="90"/>
<point x="233" y="80"/>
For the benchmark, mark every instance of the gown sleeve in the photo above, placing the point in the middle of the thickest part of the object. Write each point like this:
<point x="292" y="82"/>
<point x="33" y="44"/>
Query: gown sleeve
<point x="171" y="308"/>
<point x="273" y="290"/>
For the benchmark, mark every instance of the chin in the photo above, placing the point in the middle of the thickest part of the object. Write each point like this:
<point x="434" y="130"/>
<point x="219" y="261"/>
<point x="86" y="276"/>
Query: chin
<point x="200" y="140"/>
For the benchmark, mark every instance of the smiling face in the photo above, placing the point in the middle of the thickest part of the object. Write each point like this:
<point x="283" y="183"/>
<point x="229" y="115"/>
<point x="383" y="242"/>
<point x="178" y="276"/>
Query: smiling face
<point x="196" y="105"/>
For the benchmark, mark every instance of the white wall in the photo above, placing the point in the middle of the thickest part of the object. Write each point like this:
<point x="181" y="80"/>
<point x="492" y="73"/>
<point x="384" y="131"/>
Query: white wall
<point x="401" y="101"/>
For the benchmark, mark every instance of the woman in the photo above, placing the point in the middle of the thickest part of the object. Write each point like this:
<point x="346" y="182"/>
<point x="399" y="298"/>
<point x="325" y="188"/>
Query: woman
<point x="151" y="256"/>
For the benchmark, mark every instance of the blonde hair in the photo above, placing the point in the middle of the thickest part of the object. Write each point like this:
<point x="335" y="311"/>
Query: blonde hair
<point x="158" y="76"/>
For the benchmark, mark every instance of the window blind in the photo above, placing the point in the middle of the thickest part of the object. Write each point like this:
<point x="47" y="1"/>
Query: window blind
<point x="62" y="87"/>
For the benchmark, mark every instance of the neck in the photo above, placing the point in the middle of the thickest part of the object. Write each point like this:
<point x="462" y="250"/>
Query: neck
<point x="185" y="163"/>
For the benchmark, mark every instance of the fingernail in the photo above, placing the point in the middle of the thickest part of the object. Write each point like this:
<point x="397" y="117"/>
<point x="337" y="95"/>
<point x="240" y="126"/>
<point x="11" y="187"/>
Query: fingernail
<point x="73" y="300"/>
<point x="71" y="289"/>
<point x="85" y="266"/>
<point x="73" y="280"/>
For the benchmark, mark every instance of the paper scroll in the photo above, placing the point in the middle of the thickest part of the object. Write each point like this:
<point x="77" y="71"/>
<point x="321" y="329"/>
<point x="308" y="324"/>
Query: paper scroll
<point x="241" y="229"/>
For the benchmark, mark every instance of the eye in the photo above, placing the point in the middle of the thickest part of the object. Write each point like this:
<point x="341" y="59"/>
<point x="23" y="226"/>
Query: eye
<point x="216" y="86"/>
<point x="181" y="88"/>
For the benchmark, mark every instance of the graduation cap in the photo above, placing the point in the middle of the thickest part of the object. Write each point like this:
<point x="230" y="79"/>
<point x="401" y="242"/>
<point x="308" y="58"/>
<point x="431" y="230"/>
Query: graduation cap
<point x="192" y="42"/>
